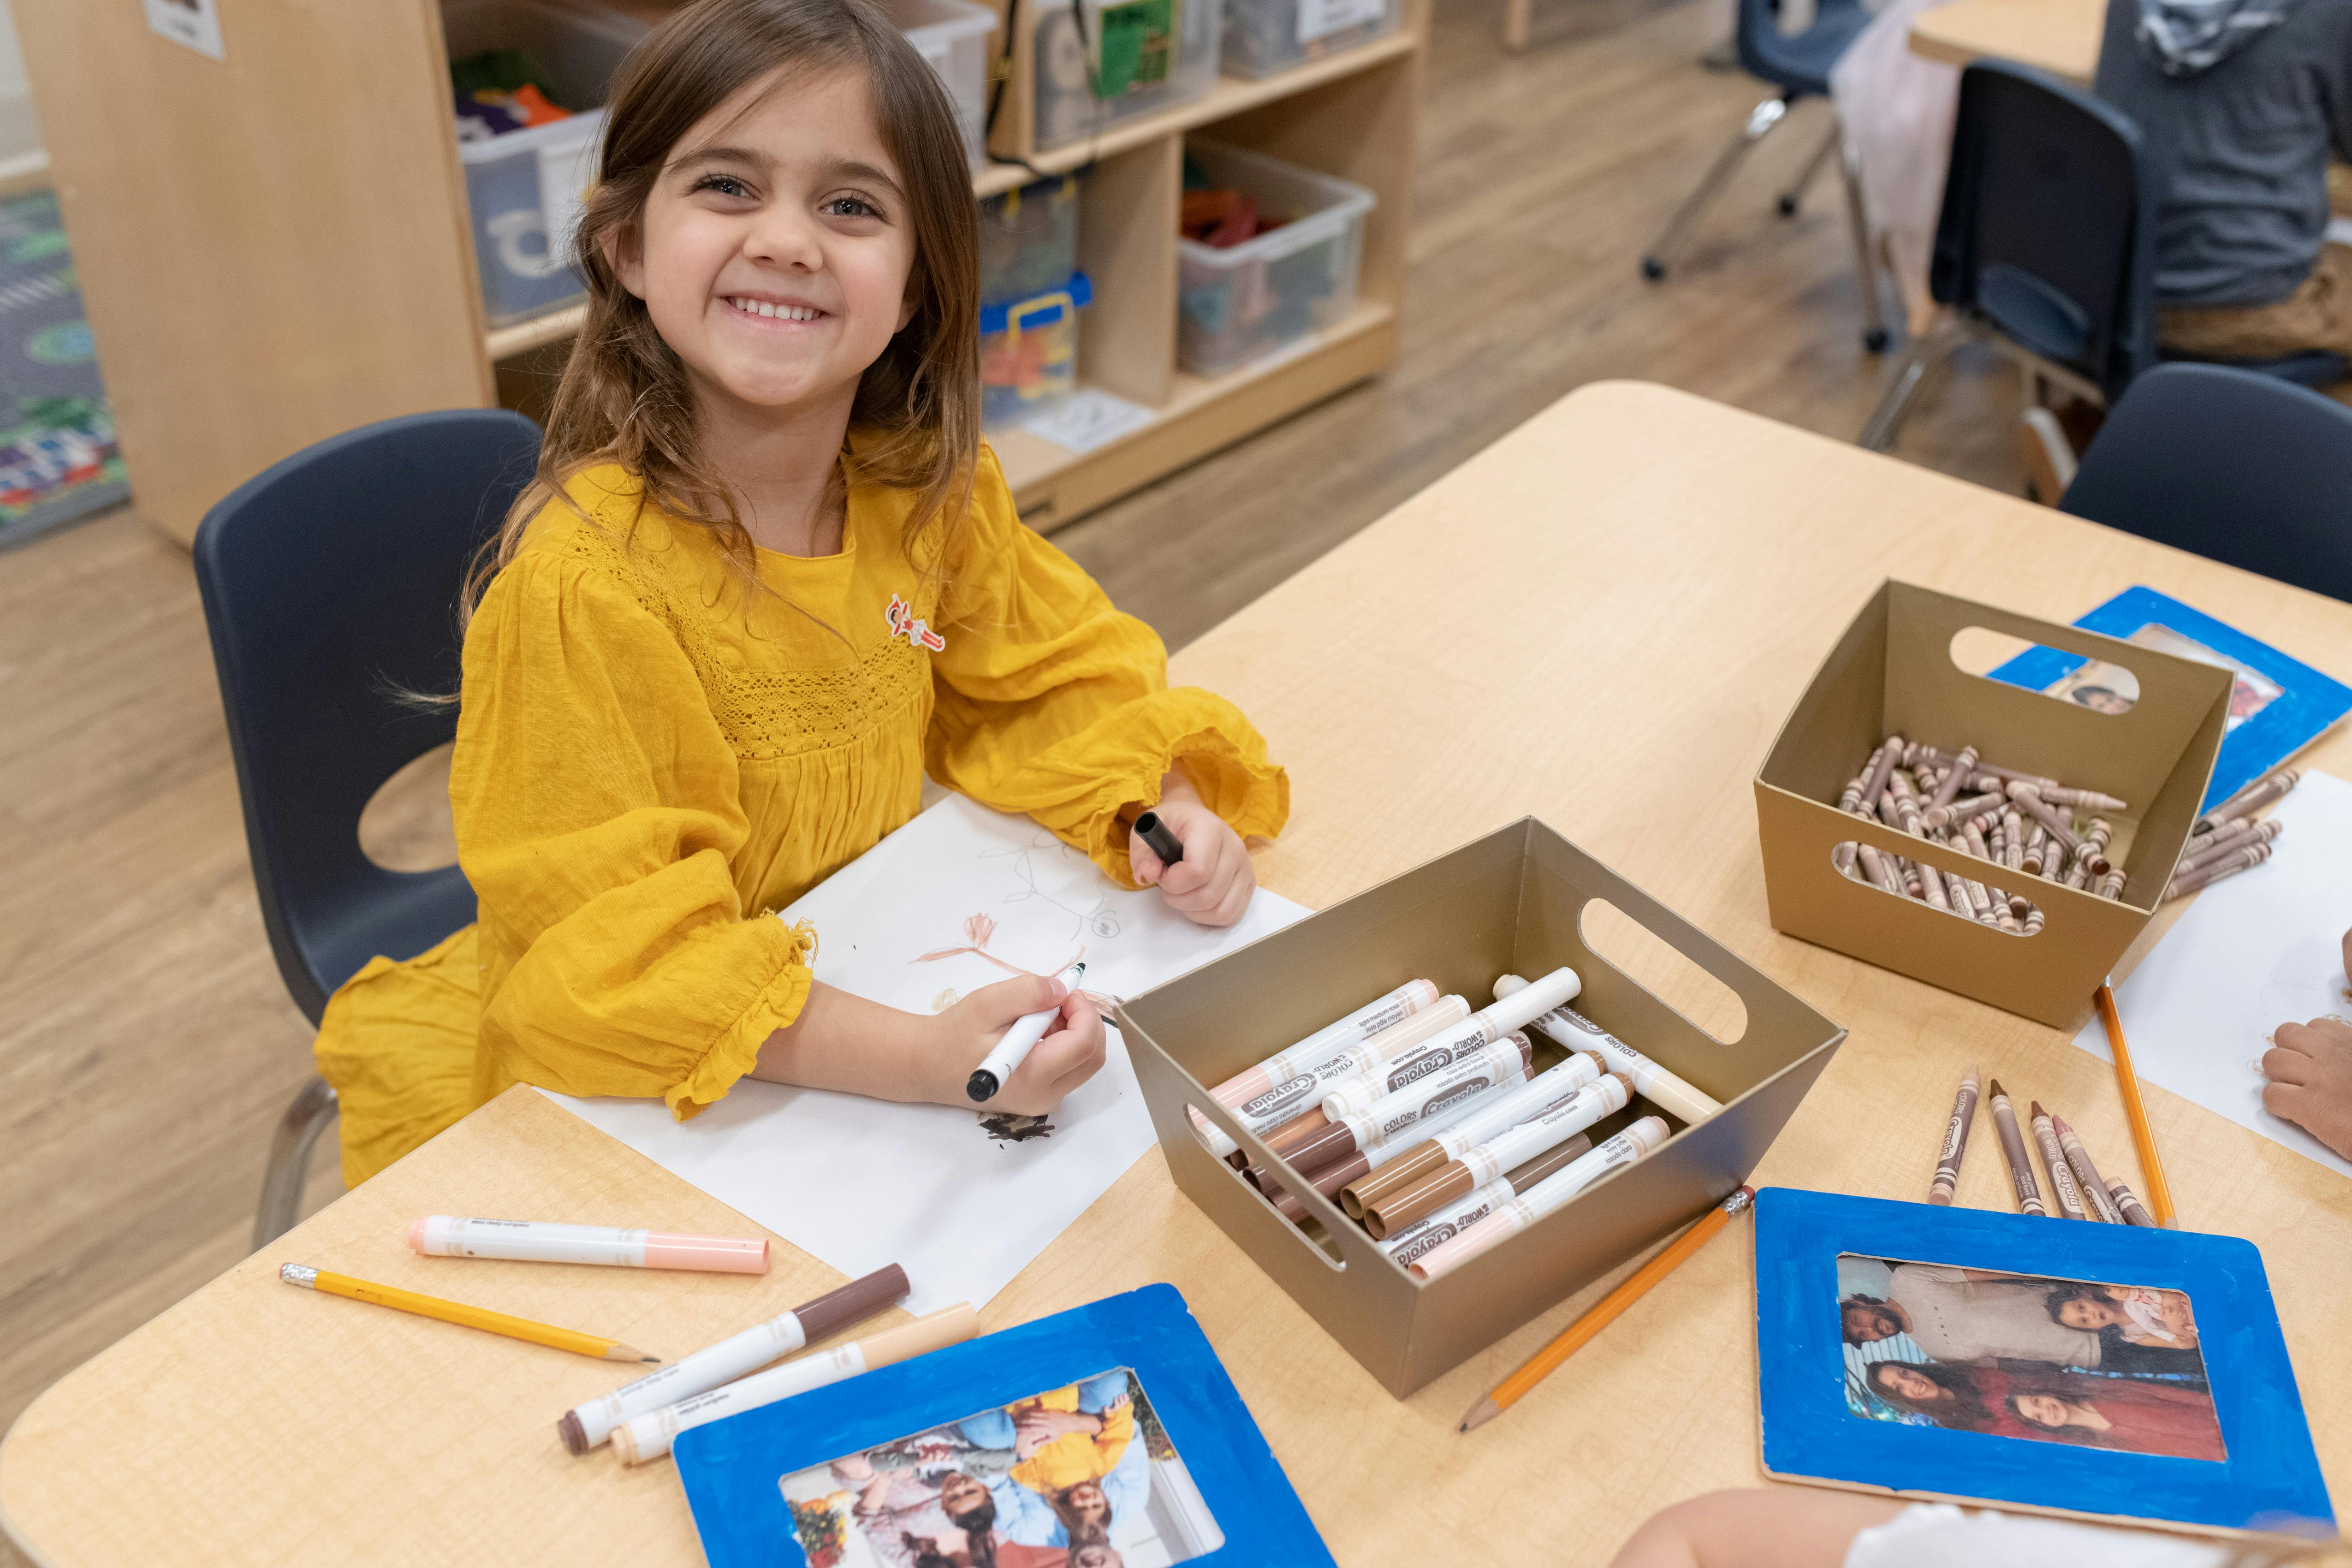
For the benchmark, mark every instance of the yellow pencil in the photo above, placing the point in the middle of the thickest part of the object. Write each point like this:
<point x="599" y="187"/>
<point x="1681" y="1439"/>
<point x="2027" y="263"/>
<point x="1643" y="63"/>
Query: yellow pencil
<point x="2159" y="1191"/>
<point x="460" y="1313"/>
<point x="1579" y="1333"/>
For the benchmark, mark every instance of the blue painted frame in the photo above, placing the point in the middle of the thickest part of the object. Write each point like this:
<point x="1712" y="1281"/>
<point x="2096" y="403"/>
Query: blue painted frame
<point x="731" y="1468"/>
<point x="2307" y="703"/>
<point x="2270" y="1480"/>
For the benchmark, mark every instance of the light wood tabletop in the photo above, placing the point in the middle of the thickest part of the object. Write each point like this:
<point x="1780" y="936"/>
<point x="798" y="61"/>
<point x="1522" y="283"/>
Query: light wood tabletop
<point x="2061" y="36"/>
<point x="1602" y="620"/>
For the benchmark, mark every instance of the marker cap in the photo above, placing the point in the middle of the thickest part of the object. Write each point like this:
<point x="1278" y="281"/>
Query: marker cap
<point x="709" y="1253"/>
<point x="858" y="1300"/>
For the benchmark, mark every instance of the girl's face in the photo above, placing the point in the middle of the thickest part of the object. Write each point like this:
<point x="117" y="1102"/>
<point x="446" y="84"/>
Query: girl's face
<point x="1896" y="1378"/>
<point x="2042" y="1409"/>
<point x="959" y="1495"/>
<point x="2082" y="1313"/>
<point x="775" y="248"/>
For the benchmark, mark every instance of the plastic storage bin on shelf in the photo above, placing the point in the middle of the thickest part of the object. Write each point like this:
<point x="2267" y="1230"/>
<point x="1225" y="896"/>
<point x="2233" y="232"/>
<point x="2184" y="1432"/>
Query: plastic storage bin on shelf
<point x="1237" y="304"/>
<point x="1029" y="238"/>
<point x="1263" y="37"/>
<point x="953" y="36"/>
<point x="1029" y="352"/>
<point x="525" y="187"/>
<point x="1119" y="60"/>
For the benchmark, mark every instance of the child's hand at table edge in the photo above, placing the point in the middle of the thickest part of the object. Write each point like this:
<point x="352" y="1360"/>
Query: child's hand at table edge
<point x="1213" y="884"/>
<point x="2310" y="1069"/>
<point x="1071" y="1052"/>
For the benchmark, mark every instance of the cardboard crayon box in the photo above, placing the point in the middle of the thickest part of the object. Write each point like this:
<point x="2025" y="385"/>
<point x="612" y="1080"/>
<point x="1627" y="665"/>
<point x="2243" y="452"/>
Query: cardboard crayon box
<point x="1512" y="901"/>
<point x="1893" y="673"/>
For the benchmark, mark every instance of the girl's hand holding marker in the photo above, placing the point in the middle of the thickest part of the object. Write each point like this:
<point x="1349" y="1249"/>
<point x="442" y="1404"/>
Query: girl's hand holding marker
<point x="1211" y="880"/>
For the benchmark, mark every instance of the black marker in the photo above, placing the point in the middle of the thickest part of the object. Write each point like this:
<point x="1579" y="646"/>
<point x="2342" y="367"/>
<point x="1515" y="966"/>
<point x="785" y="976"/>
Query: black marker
<point x="1164" y="844"/>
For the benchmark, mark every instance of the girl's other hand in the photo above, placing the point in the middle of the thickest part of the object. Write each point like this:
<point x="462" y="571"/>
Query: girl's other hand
<point x="1211" y="885"/>
<point x="2310" y="1069"/>
<point x="1071" y="1052"/>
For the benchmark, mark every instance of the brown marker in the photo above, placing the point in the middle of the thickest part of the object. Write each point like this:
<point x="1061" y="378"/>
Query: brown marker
<point x="1459" y="1081"/>
<point x="2012" y="1147"/>
<point x="1386" y="1165"/>
<point x="1408" y="1242"/>
<point x="1486" y="1162"/>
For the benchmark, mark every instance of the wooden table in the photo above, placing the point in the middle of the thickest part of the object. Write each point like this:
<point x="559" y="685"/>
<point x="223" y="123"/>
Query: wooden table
<point x="1602" y="619"/>
<point x="2061" y="36"/>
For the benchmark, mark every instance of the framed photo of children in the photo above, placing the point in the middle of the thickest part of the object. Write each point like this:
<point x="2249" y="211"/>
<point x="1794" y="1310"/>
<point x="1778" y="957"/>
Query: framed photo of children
<point x="1107" y="1437"/>
<point x="2099" y="1371"/>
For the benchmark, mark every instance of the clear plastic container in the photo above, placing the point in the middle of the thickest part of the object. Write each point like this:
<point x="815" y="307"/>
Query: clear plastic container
<point x="1237" y="304"/>
<point x="1029" y="353"/>
<point x="1263" y="37"/>
<point x="1156" y="54"/>
<point x="953" y="36"/>
<point x="1029" y="239"/>
<point x="523" y="188"/>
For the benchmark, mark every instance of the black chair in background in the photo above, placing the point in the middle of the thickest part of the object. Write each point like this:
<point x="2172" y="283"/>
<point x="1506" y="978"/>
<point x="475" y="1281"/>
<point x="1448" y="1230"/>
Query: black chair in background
<point x="1798" y="65"/>
<point x="2044" y="249"/>
<point x="2238" y="467"/>
<point x="331" y="585"/>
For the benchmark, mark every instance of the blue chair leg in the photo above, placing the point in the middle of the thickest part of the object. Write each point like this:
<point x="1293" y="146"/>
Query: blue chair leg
<point x="1760" y="121"/>
<point x="289" y="1160"/>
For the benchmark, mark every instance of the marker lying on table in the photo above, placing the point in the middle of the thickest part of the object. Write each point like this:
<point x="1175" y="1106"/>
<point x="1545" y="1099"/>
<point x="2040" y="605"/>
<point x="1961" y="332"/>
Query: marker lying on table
<point x="461" y="1314"/>
<point x="584" y="1426"/>
<point x="1158" y="839"/>
<point x="650" y="1436"/>
<point x="1019" y="1040"/>
<point x="1578" y="1033"/>
<point x="542" y="1241"/>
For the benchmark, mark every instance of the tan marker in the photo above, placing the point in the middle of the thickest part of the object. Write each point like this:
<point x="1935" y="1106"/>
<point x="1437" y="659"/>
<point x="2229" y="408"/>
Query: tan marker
<point x="1487" y="1162"/>
<point x="1465" y="1079"/>
<point x="1568" y="1028"/>
<point x="1547" y="1198"/>
<point x="1435" y="1230"/>
<point x="1388" y="1165"/>
<point x="1312" y="1069"/>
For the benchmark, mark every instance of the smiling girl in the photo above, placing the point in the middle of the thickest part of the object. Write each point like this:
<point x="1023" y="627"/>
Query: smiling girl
<point x="767" y="577"/>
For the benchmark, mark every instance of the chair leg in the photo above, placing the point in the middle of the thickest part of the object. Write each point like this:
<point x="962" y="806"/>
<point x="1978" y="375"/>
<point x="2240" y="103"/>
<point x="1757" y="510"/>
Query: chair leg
<point x="289" y="1160"/>
<point x="1760" y="122"/>
<point x="1920" y="356"/>
<point x="1865" y="265"/>
<point x="1794" y="196"/>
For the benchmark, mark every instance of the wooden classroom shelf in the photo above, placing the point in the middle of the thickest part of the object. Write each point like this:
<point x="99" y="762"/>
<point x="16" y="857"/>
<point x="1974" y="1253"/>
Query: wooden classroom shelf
<point x="274" y="247"/>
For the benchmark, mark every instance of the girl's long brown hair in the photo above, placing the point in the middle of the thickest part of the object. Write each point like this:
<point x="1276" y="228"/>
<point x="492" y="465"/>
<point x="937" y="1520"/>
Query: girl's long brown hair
<point x="624" y="396"/>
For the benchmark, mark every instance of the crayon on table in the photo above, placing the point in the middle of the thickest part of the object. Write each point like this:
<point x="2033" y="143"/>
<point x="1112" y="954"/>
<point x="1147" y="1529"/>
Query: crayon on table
<point x="2053" y="1159"/>
<point x="585" y="1426"/>
<point x="1545" y="1198"/>
<point x="1543" y="1094"/>
<point x="1298" y="1097"/>
<point x="2012" y="1149"/>
<point x="1581" y="1332"/>
<point x="2134" y="1211"/>
<point x="460" y="1313"/>
<point x="2212" y="871"/>
<point x="2087" y="1174"/>
<point x="1319" y="1051"/>
<point x="650" y="1436"/>
<point x="1486" y="1162"/>
<point x="544" y="1241"/>
<point x="1431" y="1231"/>
<point x="1442" y="1107"/>
<point x="2253" y="797"/>
<point x="1956" y="1141"/>
<point x="1653" y="1083"/>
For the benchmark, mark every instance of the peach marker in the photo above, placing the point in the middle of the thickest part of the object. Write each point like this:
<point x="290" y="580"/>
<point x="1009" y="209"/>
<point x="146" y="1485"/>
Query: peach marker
<point x="544" y="1241"/>
<point x="1288" y="1083"/>
<point x="1545" y="1197"/>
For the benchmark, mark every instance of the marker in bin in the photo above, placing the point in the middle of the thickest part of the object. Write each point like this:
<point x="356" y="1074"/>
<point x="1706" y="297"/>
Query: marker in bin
<point x="1019" y="1040"/>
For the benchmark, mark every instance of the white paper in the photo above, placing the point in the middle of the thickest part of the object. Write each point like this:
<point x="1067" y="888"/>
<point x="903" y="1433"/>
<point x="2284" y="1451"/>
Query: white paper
<point x="862" y="1183"/>
<point x="1321" y="18"/>
<point x="2256" y="950"/>
<point x="194" y="23"/>
<point x="1090" y="418"/>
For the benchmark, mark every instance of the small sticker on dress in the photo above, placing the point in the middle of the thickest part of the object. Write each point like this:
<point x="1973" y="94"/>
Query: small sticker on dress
<point x="903" y="622"/>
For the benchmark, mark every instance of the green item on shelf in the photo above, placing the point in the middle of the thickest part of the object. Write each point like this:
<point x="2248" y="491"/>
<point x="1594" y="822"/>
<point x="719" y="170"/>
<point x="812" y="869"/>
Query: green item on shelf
<point x="1139" y="46"/>
<point x="500" y="70"/>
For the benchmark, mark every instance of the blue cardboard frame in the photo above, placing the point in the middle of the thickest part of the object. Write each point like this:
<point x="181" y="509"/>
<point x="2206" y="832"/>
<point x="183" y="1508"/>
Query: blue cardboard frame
<point x="2308" y="704"/>
<point x="2270" y="1482"/>
<point x="731" y="1468"/>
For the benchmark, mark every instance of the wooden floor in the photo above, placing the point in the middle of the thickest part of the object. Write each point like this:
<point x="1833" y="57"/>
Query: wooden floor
<point x="146" y="1043"/>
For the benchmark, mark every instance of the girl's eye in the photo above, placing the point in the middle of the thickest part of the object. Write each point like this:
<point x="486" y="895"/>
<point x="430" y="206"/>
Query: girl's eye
<point x="851" y="206"/>
<point x="724" y="184"/>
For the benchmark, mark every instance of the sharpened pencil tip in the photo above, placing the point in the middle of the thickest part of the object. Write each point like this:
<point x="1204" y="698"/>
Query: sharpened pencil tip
<point x="1485" y="1410"/>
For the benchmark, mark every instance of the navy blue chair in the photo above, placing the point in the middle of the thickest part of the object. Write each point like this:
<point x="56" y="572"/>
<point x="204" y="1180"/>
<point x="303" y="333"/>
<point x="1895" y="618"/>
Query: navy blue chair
<point x="2238" y="467"/>
<point x="2045" y="246"/>
<point x="331" y="585"/>
<point x="1798" y="66"/>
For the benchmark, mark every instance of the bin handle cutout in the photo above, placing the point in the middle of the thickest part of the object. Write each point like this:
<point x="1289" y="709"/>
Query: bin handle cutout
<point x="1703" y="1001"/>
<point x="2095" y="686"/>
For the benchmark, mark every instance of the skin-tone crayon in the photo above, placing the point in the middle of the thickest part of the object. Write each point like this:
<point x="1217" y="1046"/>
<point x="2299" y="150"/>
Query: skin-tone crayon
<point x="2012" y="1147"/>
<point x="2134" y="1211"/>
<point x="1956" y="1141"/>
<point x="2096" y="1196"/>
<point x="2054" y="1158"/>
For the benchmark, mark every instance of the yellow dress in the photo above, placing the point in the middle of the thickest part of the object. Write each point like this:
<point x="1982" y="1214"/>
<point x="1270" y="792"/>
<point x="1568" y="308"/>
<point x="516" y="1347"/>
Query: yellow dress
<point x="652" y="757"/>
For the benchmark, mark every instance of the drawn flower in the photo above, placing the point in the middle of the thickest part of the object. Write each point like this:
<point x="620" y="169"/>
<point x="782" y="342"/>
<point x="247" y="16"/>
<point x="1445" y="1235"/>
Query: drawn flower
<point x="978" y="928"/>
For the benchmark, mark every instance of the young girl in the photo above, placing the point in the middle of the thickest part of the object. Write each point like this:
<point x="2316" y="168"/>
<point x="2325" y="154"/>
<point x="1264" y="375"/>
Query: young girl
<point x="768" y="577"/>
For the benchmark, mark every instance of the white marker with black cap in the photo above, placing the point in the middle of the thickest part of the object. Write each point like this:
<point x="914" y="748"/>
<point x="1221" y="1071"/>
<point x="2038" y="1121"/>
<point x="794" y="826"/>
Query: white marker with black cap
<point x="1019" y="1040"/>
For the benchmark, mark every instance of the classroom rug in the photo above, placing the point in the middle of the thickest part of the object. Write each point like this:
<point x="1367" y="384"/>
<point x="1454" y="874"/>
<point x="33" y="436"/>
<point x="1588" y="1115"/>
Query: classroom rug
<point x="59" y="459"/>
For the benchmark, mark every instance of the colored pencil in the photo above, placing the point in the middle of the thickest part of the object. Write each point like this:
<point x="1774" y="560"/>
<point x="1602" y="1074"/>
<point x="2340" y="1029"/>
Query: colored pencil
<point x="2151" y="1164"/>
<point x="1580" y="1332"/>
<point x="460" y="1313"/>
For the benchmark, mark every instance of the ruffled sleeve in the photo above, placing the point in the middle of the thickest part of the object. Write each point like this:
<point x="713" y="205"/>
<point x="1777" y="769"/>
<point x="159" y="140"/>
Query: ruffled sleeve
<point x="1051" y="703"/>
<point x="597" y="811"/>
